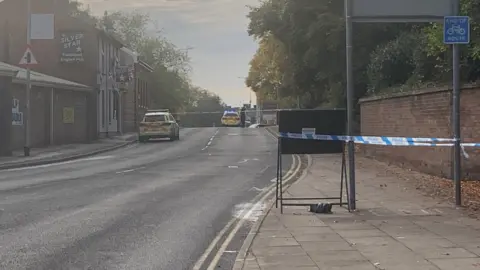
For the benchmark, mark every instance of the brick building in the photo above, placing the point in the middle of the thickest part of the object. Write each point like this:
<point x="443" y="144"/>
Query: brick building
<point x="58" y="110"/>
<point x="80" y="52"/>
<point x="134" y="89"/>
<point x="423" y="113"/>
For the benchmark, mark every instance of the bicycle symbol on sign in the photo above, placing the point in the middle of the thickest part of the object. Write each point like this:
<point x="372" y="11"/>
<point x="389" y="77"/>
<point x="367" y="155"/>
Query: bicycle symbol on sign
<point x="456" y="29"/>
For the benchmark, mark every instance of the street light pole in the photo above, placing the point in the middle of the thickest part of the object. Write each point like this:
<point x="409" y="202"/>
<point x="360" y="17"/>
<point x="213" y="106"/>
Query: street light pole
<point x="26" y="149"/>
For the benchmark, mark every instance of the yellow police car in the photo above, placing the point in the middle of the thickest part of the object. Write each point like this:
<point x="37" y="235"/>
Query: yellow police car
<point x="231" y="119"/>
<point x="158" y="124"/>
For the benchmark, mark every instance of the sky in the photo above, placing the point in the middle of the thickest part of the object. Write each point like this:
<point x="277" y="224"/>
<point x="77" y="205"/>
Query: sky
<point x="215" y="31"/>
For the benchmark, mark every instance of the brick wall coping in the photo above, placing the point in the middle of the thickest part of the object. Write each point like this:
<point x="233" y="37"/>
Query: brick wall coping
<point x="415" y="93"/>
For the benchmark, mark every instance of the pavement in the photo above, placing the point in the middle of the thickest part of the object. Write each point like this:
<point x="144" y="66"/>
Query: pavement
<point x="395" y="227"/>
<point x="157" y="205"/>
<point x="59" y="153"/>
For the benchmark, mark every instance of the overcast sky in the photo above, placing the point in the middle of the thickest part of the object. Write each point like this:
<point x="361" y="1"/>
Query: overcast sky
<point x="216" y="29"/>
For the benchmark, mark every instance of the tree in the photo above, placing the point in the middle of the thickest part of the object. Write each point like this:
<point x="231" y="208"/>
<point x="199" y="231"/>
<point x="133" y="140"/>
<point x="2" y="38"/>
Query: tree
<point x="266" y="68"/>
<point x="132" y="29"/>
<point x="312" y="67"/>
<point x="313" y="37"/>
<point x="403" y="60"/>
<point x="78" y="10"/>
<point x="173" y="89"/>
<point x="205" y="101"/>
<point x="170" y="80"/>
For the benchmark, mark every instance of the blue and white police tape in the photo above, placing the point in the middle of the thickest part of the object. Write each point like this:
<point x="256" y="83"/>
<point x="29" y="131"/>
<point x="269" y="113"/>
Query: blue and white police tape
<point x="380" y="140"/>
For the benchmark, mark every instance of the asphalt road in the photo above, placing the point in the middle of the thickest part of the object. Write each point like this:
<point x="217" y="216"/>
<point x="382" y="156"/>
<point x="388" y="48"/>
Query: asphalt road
<point x="148" y="206"/>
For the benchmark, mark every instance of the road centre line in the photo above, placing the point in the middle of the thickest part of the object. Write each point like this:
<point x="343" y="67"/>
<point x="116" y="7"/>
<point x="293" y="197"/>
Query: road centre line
<point x="210" y="140"/>
<point x="294" y="168"/>
<point x="130" y="170"/>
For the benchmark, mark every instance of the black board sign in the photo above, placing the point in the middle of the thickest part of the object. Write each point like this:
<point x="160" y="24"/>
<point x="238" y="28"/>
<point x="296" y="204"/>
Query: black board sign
<point x="320" y="122"/>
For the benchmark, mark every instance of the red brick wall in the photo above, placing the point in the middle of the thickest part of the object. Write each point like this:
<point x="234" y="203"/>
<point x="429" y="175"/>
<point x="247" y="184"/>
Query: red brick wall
<point x="425" y="113"/>
<point x="47" y="52"/>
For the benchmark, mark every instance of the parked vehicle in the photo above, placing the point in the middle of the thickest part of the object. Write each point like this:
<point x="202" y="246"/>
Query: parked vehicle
<point x="231" y="119"/>
<point x="158" y="124"/>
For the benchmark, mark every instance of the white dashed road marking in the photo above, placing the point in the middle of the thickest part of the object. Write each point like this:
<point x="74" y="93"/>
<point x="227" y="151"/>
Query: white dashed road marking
<point x="131" y="170"/>
<point x="210" y="141"/>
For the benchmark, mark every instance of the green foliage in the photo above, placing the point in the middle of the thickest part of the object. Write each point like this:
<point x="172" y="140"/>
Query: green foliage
<point x="169" y="82"/>
<point x="311" y="34"/>
<point x="402" y="60"/>
<point x="79" y="11"/>
<point x="173" y="89"/>
<point x="311" y="62"/>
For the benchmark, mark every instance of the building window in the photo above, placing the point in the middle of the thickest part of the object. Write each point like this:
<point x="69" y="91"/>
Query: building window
<point x="102" y="102"/>
<point x="115" y="106"/>
<point x="146" y="95"/>
<point x="144" y="101"/>
<point x="140" y="93"/>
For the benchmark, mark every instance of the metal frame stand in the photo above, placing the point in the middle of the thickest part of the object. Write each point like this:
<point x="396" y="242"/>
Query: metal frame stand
<point x="279" y="185"/>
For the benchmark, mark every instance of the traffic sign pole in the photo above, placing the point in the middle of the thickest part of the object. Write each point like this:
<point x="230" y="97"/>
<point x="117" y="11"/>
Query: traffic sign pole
<point x="456" y="31"/>
<point x="26" y="149"/>
<point x="456" y="115"/>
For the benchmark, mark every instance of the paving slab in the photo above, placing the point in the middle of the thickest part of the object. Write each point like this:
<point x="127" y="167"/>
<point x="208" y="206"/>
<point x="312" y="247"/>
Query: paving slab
<point x="321" y="246"/>
<point x="445" y="253"/>
<point x="395" y="228"/>
<point x="285" y="261"/>
<point x="456" y="263"/>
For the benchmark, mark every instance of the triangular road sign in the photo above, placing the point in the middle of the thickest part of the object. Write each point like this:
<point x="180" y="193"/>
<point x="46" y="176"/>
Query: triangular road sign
<point x="28" y="58"/>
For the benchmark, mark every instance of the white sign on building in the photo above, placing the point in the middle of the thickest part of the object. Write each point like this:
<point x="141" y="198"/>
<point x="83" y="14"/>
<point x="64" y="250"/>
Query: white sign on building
<point x="43" y="26"/>
<point x="17" y="116"/>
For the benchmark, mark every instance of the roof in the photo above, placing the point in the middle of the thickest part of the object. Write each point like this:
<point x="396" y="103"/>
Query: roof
<point x="145" y="66"/>
<point x="136" y="59"/>
<point x="19" y="75"/>
<point x="156" y="113"/>
<point x="110" y="36"/>
<point x="133" y="54"/>
<point x="158" y="110"/>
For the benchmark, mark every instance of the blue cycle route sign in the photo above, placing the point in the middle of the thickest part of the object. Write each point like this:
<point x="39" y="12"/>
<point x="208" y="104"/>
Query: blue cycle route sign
<point x="456" y="30"/>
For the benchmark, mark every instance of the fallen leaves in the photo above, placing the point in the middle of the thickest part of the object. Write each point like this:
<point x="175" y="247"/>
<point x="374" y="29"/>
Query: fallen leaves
<point x="433" y="186"/>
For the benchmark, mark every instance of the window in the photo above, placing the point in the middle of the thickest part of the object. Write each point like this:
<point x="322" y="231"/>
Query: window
<point x="103" y="108"/>
<point x="147" y="98"/>
<point x="230" y="115"/>
<point x="155" y="118"/>
<point x="115" y="106"/>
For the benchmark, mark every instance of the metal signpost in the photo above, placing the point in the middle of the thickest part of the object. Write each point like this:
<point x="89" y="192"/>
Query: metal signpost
<point x="350" y="106"/>
<point x="390" y="11"/>
<point x="26" y="149"/>
<point x="456" y="30"/>
<point x="44" y="29"/>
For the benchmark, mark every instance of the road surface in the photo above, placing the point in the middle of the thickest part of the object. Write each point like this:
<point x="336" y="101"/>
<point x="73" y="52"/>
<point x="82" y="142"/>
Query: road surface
<point x="148" y="206"/>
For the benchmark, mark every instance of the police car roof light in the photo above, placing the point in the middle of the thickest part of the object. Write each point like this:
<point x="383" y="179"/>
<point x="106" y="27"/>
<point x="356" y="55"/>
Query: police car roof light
<point x="159" y="110"/>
